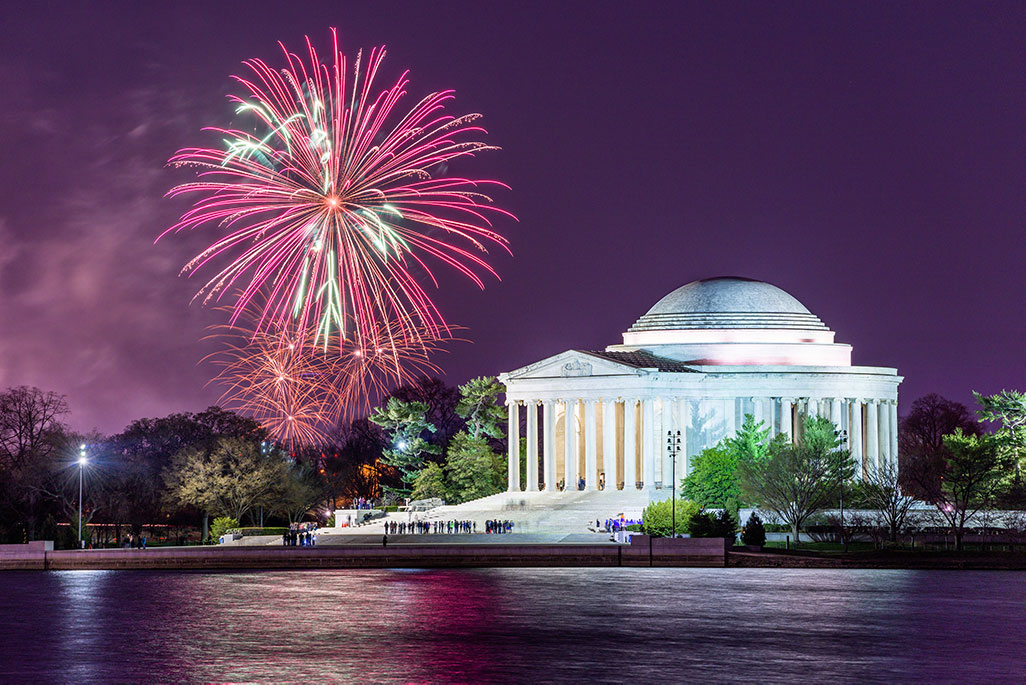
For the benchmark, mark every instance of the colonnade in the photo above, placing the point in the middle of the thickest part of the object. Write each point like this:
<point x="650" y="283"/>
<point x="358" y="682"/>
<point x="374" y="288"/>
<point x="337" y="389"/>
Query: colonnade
<point x="617" y="443"/>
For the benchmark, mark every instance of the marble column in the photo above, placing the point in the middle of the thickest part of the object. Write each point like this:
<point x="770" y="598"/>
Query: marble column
<point x="684" y="414"/>
<point x="648" y="442"/>
<point x="609" y="443"/>
<point x="549" y="444"/>
<point x="532" y="446"/>
<point x="855" y="435"/>
<point x="885" y="433"/>
<point x="513" y="438"/>
<point x="730" y="416"/>
<point x="590" y="442"/>
<point x="835" y="413"/>
<point x="630" y="474"/>
<point x="893" y="420"/>
<point x="786" y="417"/>
<point x="872" y="434"/>
<point x="757" y="410"/>
<point x="570" y="444"/>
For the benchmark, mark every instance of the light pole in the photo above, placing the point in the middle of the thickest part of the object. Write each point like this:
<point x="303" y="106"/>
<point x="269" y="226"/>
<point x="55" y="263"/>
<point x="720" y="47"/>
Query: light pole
<point x="842" y="437"/>
<point x="82" y="461"/>
<point x="673" y="447"/>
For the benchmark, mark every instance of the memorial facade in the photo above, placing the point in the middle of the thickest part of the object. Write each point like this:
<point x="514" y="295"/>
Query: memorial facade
<point x="692" y="367"/>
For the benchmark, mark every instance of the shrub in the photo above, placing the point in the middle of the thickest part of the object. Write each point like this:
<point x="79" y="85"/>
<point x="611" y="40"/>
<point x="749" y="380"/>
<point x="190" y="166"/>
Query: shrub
<point x="753" y="532"/>
<point x="657" y="517"/>
<point x="221" y="525"/>
<point x="705" y="525"/>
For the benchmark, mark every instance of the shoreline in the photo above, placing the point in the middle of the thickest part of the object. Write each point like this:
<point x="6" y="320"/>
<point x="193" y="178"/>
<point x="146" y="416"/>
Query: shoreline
<point x="663" y="553"/>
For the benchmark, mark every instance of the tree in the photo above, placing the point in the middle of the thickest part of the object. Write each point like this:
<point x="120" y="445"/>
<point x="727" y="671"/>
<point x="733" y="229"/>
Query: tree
<point x="1008" y="408"/>
<point x="473" y="468"/>
<point x="145" y="449"/>
<point x="430" y="483"/>
<point x="441" y="401"/>
<point x="657" y="518"/>
<point x="406" y="424"/>
<point x="480" y="408"/>
<point x="229" y="480"/>
<point x="921" y="447"/>
<point x="30" y="425"/>
<point x="714" y="480"/>
<point x="753" y="532"/>
<point x="798" y="479"/>
<point x="297" y="493"/>
<point x="705" y="525"/>
<point x="31" y="437"/>
<point x="970" y="478"/>
<point x="881" y="492"/>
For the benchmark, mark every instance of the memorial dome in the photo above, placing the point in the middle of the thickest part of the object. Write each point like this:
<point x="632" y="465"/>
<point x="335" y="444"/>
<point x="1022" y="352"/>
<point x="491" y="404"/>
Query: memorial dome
<point x="727" y="303"/>
<point x="734" y="321"/>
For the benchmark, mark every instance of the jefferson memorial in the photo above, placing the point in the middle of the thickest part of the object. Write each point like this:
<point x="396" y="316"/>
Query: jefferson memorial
<point x="697" y="362"/>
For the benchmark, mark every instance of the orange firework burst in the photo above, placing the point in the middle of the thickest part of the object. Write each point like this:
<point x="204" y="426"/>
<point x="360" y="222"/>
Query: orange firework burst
<point x="300" y="391"/>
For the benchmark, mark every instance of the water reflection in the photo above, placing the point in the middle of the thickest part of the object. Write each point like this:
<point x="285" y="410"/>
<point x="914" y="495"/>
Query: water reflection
<point x="513" y="625"/>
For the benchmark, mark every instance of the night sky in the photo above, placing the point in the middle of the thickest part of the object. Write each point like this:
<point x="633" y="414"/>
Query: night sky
<point x="868" y="158"/>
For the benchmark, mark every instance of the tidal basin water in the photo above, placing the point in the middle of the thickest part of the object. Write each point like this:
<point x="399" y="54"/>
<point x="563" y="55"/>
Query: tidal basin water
<point x="514" y="625"/>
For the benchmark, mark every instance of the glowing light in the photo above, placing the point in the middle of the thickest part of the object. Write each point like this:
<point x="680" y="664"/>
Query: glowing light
<point x="336" y="204"/>
<point x="82" y="461"/>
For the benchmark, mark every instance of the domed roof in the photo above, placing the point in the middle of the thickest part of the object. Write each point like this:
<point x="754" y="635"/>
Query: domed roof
<point x="727" y="302"/>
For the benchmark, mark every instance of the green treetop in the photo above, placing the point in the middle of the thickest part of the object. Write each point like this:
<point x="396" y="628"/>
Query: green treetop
<point x="798" y="479"/>
<point x="405" y="423"/>
<point x="714" y="480"/>
<point x="479" y="406"/>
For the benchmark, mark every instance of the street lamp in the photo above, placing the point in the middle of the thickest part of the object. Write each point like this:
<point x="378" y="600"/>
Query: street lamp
<point x="842" y="438"/>
<point x="673" y="447"/>
<point x="82" y="461"/>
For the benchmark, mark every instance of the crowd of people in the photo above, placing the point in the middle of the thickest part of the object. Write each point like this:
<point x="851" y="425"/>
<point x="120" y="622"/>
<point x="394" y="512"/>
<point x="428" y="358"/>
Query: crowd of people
<point x="361" y="503"/>
<point x="453" y="527"/>
<point x="498" y="526"/>
<point x="430" y="527"/>
<point x="300" y="535"/>
<point x="615" y="525"/>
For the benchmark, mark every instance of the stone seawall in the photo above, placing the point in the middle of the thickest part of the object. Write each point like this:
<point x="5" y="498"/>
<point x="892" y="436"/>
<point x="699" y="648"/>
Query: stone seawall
<point x="642" y="552"/>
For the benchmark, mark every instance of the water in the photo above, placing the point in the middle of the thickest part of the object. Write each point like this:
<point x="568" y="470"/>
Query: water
<point x="514" y="625"/>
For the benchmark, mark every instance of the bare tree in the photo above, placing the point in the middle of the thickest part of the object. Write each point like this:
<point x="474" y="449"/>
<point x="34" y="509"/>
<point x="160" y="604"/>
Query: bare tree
<point x="881" y="492"/>
<point x="30" y="441"/>
<point x="29" y="425"/>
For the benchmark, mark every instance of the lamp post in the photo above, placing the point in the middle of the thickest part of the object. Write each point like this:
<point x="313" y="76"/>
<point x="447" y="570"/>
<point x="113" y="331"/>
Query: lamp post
<point x="82" y="461"/>
<point x="673" y="447"/>
<point x="842" y="437"/>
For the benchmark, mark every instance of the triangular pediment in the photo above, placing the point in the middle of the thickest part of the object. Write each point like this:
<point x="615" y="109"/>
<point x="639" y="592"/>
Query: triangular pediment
<point x="571" y="364"/>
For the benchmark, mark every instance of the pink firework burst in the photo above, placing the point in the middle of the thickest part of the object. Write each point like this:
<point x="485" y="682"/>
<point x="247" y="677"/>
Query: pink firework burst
<point x="335" y="204"/>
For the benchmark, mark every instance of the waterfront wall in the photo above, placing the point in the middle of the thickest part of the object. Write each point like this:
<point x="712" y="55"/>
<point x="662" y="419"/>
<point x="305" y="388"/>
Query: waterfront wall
<point x="642" y="552"/>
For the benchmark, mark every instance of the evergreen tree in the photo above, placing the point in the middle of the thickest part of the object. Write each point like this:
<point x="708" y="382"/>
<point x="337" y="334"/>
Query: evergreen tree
<point x="473" y="468"/>
<point x="430" y="483"/>
<point x="405" y="423"/>
<point x="479" y="406"/>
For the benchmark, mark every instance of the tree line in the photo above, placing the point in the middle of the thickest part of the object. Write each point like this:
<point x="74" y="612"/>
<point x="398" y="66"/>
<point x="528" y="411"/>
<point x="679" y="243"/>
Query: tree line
<point x="946" y="459"/>
<point x="184" y="469"/>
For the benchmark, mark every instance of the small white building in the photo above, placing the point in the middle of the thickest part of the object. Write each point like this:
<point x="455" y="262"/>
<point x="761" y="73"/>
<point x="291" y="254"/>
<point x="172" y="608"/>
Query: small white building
<point x="699" y="360"/>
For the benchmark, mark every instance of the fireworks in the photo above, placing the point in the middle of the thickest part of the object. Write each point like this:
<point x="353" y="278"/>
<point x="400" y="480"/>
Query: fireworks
<point x="298" y="392"/>
<point x="334" y="203"/>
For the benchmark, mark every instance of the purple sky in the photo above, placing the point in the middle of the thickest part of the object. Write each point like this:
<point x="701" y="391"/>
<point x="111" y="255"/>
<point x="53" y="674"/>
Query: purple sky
<point x="868" y="158"/>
